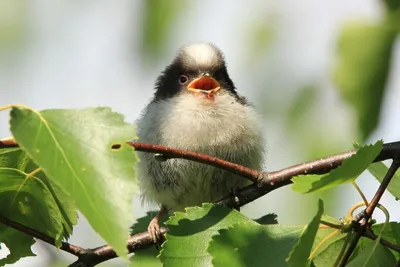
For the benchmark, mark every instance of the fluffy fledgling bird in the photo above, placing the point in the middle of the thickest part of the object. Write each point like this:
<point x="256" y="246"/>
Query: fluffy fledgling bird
<point x="196" y="107"/>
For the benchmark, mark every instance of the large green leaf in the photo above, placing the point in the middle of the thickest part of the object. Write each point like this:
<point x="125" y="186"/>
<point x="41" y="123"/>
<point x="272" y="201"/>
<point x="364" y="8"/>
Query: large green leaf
<point x="190" y="233"/>
<point x="32" y="202"/>
<point x="379" y="170"/>
<point x="253" y="245"/>
<point x="345" y="173"/>
<point x="85" y="153"/>
<point x="146" y="258"/>
<point x="17" y="242"/>
<point x="374" y="255"/>
<point x="391" y="233"/>
<point x="365" y="52"/>
<point x="330" y="242"/>
<point x="29" y="202"/>
<point x="17" y="159"/>
<point x="298" y="257"/>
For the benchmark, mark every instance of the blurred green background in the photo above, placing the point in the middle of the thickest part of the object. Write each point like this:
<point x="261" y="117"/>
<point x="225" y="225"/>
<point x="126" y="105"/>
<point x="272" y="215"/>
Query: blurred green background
<point x="324" y="74"/>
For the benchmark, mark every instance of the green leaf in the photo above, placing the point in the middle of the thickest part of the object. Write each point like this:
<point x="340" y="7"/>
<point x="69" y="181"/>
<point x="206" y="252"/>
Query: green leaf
<point x="17" y="159"/>
<point x="333" y="240"/>
<point x="328" y="244"/>
<point x="362" y="70"/>
<point x="299" y="254"/>
<point x="374" y="255"/>
<point x="29" y="202"/>
<point x="391" y="233"/>
<point x="347" y="172"/>
<point x="17" y="242"/>
<point x="190" y="233"/>
<point x="85" y="153"/>
<point x="253" y="245"/>
<point x="146" y="258"/>
<point x="379" y="170"/>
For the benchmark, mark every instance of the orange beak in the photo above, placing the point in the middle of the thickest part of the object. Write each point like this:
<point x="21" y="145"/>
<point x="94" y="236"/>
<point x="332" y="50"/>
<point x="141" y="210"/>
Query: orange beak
<point x="204" y="85"/>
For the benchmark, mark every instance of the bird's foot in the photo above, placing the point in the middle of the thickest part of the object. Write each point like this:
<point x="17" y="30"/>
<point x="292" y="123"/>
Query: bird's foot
<point x="154" y="229"/>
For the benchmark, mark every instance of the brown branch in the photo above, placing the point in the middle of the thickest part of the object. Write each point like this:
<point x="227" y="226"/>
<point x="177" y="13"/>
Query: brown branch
<point x="167" y="152"/>
<point x="370" y="234"/>
<point x="370" y="209"/>
<point x="277" y="179"/>
<point x="136" y="242"/>
<point x="265" y="182"/>
<point x="65" y="246"/>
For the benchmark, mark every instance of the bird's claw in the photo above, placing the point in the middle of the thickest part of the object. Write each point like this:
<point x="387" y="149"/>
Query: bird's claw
<point x="154" y="230"/>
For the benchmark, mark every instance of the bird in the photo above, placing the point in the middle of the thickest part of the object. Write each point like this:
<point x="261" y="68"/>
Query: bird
<point x="196" y="107"/>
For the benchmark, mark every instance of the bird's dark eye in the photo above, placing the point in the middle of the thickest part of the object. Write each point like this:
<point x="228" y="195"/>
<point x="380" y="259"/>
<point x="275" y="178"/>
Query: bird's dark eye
<point x="183" y="79"/>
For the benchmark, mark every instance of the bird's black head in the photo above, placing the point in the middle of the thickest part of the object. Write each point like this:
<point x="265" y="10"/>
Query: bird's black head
<point x="199" y="69"/>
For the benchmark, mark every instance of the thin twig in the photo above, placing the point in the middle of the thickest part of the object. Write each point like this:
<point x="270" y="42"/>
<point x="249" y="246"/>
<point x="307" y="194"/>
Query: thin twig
<point x="65" y="246"/>
<point x="167" y="152"/>
<point x="370" y="209"/>
<point x="370" y="234"/>
<point x="265" y="182"/>
<point x="136" y="242"/>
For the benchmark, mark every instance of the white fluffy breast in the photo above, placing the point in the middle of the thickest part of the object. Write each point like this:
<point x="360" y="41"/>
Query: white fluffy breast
<point x="188" y="122"/>
<point x="220" y="127"/>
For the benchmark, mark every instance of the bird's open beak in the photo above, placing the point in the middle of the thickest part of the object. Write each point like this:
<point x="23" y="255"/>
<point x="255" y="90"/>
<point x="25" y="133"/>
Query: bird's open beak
<point x="204" y="85"/>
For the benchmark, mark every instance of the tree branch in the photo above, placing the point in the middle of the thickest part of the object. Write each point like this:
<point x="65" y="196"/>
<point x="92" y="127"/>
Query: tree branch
<point x="264" y="182"/>
<point x="370" y="234"/>
<point x="65" y="246"/>
<point x="92" y="257"/>
<point x="370" y="209"/>
<point x="167" y="152"/>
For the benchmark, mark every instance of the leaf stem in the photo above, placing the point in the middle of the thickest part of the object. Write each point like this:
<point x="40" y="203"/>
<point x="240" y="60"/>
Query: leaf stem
<point x="371" y="207"/>
<point x="32" y="173"/>
<point x="360" y="192"/>
<point x="323" y="241"/>
<point x="2" y="108"/>
<point x="264" y="182"/>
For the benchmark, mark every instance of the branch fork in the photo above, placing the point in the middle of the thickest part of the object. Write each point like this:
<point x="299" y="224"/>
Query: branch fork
<point x="263" y="183"/>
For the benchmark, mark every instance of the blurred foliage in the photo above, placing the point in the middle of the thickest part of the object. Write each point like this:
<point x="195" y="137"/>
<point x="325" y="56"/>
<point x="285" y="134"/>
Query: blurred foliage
<point x="392" y="5"/>
<point x="158" y="19"/>
<point x="303" y="103"/>
<point x="13" y="24"/>
<point x="301" y="119"/>
<point x="365" y="51"/>
<point x="259" y="39"/>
